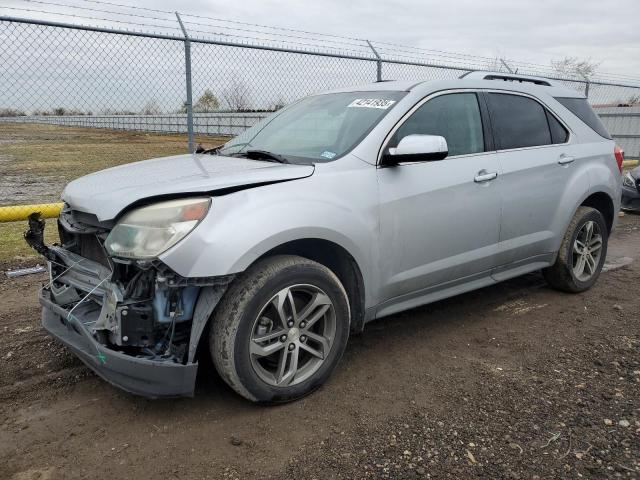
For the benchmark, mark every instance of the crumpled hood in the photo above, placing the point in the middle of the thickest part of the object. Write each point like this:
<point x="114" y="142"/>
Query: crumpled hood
<point x="107" y="192"/>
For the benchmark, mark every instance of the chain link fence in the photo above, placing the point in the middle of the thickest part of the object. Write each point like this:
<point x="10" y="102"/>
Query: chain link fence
<point x="130" y="95"/>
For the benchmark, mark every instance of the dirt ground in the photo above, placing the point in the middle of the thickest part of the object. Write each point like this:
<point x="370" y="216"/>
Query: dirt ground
<point x="511" y="381"/>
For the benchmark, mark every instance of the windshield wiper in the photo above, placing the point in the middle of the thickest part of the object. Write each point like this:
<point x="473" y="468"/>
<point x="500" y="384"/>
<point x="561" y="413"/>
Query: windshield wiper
<point x="209" y="151"/>
<point x="264" y="155"/>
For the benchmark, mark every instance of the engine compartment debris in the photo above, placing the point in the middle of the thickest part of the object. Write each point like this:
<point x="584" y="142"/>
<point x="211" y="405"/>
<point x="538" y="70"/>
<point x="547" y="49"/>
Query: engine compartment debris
<point x="25" y="271"/>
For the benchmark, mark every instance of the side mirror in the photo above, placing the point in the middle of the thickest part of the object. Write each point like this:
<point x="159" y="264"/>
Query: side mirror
<point x="417" y="148"/>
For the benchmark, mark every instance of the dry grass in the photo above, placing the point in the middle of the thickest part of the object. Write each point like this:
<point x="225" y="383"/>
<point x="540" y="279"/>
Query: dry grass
<point x="38" y="160"/>
<point x="72" y="152"/>
<point x="13" y="247"/>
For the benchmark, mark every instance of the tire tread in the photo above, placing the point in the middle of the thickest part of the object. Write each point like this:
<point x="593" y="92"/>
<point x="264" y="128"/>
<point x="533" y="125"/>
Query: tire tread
<point x="559" y="275"/>
<point x="228" y="315"/>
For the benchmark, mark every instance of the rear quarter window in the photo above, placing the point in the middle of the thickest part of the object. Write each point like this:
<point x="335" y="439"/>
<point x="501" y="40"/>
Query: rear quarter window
<point x="581" y="109"/>
<point x="559" y="134"/>
<point x="518" y="121"/>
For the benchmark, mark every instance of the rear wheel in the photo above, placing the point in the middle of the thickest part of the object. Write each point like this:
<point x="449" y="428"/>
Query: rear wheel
<point x="582" y="254"/>
<point x="280" y="330"/>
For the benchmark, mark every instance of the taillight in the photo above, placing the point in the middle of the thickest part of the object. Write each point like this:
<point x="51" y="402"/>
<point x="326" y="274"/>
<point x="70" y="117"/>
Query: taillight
<point x="619" y="154"/>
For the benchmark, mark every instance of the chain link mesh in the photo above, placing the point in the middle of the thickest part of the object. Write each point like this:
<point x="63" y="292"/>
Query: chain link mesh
<point x="121" y="96"/>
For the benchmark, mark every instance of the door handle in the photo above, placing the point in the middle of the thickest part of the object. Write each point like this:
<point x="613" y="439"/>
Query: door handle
<point x="565" y="159"/>
<point x="484" y="176"/>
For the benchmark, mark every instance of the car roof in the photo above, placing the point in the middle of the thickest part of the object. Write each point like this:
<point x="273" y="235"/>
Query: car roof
<point x="476" y="80"/>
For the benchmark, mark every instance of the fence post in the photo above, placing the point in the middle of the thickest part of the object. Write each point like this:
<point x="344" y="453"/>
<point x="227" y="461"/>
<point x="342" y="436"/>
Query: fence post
<point x="506" y="65"/>
<point x="586" y="85"/>
<point x="378" y="61"/>
<point x="189" y="103"/>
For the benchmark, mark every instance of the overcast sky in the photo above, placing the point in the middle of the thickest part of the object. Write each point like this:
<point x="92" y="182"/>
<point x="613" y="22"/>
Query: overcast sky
<point x="530" y="30"/>
<point x="115" y="73"/>
<point x="606" y="31"/>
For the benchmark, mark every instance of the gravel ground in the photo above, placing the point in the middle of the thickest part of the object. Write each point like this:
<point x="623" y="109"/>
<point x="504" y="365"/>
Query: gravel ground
<point x="511" y="381"/>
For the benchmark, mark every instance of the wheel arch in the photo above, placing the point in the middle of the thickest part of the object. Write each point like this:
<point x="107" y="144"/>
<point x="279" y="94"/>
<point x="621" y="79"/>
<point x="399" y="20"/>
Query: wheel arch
<point x="337" y="259"/>
<point x="602" y="202"/>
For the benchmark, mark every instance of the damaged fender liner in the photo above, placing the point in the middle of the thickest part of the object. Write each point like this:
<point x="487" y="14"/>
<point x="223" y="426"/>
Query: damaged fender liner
<point x="150" y="378"/>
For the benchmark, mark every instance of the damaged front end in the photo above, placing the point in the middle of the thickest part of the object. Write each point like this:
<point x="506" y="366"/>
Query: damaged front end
<point x="136" y="323"/>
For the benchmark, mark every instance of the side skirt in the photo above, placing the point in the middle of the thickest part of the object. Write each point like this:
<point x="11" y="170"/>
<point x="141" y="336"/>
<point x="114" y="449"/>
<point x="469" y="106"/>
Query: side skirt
<point x="459" y="286"/>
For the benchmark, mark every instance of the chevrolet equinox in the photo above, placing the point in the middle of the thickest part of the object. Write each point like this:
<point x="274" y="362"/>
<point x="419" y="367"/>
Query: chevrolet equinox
<point x="341" y="208"/>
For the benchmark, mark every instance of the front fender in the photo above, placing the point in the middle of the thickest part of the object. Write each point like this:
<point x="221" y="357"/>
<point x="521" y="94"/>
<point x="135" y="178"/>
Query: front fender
<point x="243" y="226"/>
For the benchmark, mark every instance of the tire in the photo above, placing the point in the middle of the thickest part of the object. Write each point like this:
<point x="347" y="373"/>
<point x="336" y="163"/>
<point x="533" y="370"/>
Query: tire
<point x="248" y="313"/>
<point x="562" y="275"/>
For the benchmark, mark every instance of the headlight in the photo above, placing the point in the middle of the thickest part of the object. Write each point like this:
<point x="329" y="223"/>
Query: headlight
<point x="629" y="181"/>
<point x="148" y="231"/>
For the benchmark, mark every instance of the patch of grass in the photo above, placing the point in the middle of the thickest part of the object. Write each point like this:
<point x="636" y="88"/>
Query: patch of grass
<point x="36" y="161"/>
<point x="70" y="152"/>
<point x="12" y="244"/>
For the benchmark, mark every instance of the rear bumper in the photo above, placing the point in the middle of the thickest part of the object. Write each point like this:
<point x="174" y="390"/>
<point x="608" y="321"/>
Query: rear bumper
<point x="630" y="199"/>
<point x="149" y="378"/>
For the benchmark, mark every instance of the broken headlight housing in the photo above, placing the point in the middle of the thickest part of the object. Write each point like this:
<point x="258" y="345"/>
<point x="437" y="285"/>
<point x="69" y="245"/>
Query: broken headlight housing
<point x="147" y="232"/>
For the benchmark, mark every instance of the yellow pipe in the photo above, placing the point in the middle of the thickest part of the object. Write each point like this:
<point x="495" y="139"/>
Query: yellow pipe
<point x="15" y="213"/>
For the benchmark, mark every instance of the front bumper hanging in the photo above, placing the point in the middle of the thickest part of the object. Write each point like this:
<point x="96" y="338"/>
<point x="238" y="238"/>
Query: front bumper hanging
<point x="108" y="317"/>
<point x="150" y="378"/>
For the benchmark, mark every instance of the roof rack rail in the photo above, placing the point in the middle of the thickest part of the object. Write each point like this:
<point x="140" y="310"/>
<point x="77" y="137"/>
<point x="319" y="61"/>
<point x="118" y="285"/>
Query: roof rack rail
<point x="508" y="77"/>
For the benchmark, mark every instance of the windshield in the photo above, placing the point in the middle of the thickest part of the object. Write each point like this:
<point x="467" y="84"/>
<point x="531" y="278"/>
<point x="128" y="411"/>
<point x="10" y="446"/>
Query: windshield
<point x="320" y="128"/>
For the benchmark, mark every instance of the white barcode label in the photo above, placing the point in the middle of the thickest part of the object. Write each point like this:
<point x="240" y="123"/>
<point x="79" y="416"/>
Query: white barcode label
<point x="371" y="103"/>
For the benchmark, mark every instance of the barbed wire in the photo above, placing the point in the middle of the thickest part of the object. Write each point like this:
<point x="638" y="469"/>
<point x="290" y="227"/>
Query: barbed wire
<point x="225" y="20"/>
<point x="173" y="19"/>
<point x="338" y="42"/>
<point x="82" y="17"/>
<point x="129" y="14"/>
<point x="248" y="33"/>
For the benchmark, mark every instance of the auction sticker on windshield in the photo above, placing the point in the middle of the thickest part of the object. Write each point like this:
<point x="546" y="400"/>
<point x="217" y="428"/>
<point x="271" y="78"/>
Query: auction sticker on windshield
<point x="371" y="103"/>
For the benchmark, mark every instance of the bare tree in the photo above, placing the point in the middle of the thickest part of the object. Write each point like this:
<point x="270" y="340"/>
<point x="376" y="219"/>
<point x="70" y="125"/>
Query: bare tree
<point x="151" y="108"/>
<point x="11" y="112"/>
<point x="236" y="96"/>
<point x="278" y="104"/>
<point x="573" y="67"/>
<point x="631" y="101"/>
<point x="634" y="99"/>
<point x="207" y="102"/>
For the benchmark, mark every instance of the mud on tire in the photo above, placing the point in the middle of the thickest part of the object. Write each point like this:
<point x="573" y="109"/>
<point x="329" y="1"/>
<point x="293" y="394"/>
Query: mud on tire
<point x="256" y="293"/>
<point x="561" y="275"/>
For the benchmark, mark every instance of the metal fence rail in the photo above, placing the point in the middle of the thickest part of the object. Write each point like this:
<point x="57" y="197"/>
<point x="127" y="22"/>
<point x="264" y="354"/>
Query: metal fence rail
<point x="221" y="123"/>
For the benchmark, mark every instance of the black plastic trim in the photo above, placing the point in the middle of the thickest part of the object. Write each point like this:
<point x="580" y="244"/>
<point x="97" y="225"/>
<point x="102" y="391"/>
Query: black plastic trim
<point x="148" y="378"/>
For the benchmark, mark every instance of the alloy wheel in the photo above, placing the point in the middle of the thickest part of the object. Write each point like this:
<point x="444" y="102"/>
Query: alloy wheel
<point x="292" y="335"/>
<point x="587" y="250"/>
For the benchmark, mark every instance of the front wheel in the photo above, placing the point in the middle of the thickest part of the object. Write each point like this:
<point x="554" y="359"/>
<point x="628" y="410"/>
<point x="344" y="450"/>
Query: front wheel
<point x="280" y="329"/>
<point x="582" y="253"/>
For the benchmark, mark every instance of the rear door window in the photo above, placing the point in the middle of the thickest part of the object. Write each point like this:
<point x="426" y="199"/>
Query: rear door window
<point x="581" y="109"/>
<point x="518" y="121"/>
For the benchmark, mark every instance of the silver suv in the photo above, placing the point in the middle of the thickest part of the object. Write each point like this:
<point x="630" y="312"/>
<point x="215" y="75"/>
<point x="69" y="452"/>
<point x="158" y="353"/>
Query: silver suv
<point x="344" y="207"/>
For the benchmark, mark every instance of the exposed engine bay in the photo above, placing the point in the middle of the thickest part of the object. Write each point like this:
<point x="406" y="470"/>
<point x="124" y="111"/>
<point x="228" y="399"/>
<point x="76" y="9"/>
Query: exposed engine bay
<point x="137" y="307"/>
